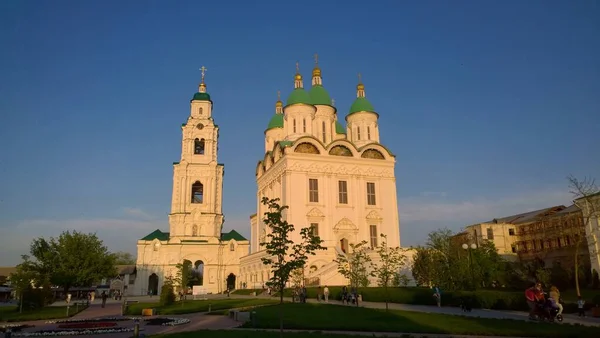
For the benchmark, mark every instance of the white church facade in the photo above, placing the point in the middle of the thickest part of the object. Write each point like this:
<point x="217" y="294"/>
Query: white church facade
<point x="338" y="181"/>
<point x="196" y="218"/>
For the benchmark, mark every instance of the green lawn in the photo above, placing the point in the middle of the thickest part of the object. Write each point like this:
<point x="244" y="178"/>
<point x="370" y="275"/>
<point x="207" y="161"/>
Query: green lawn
<point x="249" y="334"/>
<point x="11" y="313"/>
<point x="246" y="292"/>
<point x="337" y="317"/>
<point x="192" y="306"/>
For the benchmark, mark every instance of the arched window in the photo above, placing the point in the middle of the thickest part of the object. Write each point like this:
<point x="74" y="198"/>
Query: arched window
<point x="294" y="124"/>
<point x="231" y="247"/>
<point x="199" y="147"/>
<point x="358" y="133"/>
<point x="197" y="193"/>
<point x="304" y="125"/>
<point x="368" y="133"/>
<point x="194" y="230"/>
<point x="324" y="132"/>
<point x="200" y="110"/>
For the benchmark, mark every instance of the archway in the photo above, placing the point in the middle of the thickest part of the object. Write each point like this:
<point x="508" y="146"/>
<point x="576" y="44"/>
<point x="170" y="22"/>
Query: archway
<point x="153" y="284"/>
<point x="231" y="282"/>
<point x="198" y="273"/>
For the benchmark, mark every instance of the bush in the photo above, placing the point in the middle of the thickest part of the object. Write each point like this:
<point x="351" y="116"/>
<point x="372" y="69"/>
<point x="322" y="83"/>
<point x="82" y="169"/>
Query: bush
<point x="167" y="295"/>
<point x="36" y="298"/>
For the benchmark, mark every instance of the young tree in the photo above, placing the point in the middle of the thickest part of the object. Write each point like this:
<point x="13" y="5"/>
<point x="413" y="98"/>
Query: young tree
<point x="285" y="256"/>
<point x="391" y="260"/>
<point x="73" y="259"/>
<point x="587" y="198"/>
<point x="183" y="277"/>
<point x="21" y="281"/>
<point x="356" y="265"/>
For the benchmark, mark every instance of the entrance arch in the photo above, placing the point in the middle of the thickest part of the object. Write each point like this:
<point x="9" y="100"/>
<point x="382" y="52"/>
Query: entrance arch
<point x="198" y="272"/>
<point x="344" y="245"/>
<point x="153" y="284"/>
<point x="231" y="282"/>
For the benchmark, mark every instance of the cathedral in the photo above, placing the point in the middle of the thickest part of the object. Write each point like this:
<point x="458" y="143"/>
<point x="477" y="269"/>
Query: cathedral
<point x="338" y="181"/>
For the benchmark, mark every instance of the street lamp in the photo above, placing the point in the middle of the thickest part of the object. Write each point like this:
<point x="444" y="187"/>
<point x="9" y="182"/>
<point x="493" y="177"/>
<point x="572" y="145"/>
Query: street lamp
<point x="470" y="248"/>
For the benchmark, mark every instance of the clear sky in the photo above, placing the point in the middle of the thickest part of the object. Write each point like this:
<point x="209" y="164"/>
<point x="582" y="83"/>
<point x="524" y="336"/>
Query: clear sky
<point x="488" y="105"/>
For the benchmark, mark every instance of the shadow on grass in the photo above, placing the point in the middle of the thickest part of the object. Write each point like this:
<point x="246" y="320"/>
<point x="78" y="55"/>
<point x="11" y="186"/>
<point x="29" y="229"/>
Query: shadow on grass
<point x="194" y="306"/>
<point x="11" y="313"/>
<point x="347" y="318"/>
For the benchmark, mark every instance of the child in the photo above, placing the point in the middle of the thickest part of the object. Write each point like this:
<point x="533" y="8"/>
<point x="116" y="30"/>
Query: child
<point x="580" y="310"/>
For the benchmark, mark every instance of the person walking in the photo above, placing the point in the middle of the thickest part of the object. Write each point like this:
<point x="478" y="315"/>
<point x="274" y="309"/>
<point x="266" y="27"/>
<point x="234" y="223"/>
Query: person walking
<point x="326" y="294"/>
<point x="438" y="296"/>
<point x="580" y="307"/>
<point x="104" y="296"/>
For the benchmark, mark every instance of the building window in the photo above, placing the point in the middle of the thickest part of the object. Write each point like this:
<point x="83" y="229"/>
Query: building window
<point x="567" y="240"/>
<point x="304" y="125"/>
<point x="541" y="244"/>
<point x="194" y="230"/>
<point x="511" y="232"/>
<point x="559" y="242"/>
<point x="197" y="193"/>
<point x="199" y="147"/>
<point x="313" y="190"/>
<point x="490" y="233"/>
<point x="324" y="132"/>
<point x="373" y="231"/>
<point x="514" y="248"/>
<point x="200" y="110"/>
<point x="231" y="247"/>
<point x="371" y="193"/>
<point x="343" y="192"/>
<point x="368" y="133"/>
<point x="294" y="124"/>
<point x="344" y="245"/>
<point x="358" y="133"/>
<point x="314" y="228"/>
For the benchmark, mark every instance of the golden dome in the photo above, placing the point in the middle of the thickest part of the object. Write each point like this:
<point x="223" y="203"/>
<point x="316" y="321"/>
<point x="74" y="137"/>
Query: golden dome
<point x="278" y="104"/>
<point x="316" y="72"/>
<point x="360" y="86"/>
<point x="298" y="77"/>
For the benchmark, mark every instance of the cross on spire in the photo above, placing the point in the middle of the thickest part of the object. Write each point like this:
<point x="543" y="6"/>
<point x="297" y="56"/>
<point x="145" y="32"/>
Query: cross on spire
<point x="359" y="78"/>
<point x="203" y="72"/>
<point x="297" y="67"/>
<point x="278" y="95"/>
<point x="316" y="59"/>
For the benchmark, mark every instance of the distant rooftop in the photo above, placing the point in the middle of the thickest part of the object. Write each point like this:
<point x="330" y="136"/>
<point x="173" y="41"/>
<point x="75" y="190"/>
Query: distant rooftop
<point x="532" y="216"/>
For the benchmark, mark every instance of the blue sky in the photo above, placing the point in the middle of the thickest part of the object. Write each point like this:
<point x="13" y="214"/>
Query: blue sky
<point x="488" y="105"/>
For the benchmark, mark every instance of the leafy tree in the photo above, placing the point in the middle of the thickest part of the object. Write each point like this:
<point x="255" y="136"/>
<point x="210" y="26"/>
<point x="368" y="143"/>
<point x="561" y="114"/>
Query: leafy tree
<point x="356" y="265"/>
<point x="167" y="294"/>
<point x="123" y="258"/>
<point x="21" y="281"/>
<point x="183" y="277"/>
<point x="71" y="260"/>
<point x="587" y="198"/>
<point x="423" y="269"/>
<point x="285" y="256"/>
<point x="297" y="277"/>
<point x="391" y="260"/>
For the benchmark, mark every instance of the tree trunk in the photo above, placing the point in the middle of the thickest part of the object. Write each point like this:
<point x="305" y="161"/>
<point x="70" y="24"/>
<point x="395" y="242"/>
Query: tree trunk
<point x="21" y="305"/>
<point x="386" y="297"/>
<point x="281" y="288"/>
<point x="577" y="268"/>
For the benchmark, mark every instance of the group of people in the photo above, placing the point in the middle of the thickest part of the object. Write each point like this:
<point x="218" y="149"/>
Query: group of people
<point x="547" y="307"/>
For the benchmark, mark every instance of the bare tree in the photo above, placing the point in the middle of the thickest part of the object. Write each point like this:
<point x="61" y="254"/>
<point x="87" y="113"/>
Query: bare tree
<point x="587" y="197"/>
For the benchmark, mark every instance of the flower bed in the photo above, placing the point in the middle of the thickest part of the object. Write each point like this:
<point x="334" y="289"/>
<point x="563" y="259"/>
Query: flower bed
<point x="76" y="332"/>
<point x="14" y="327"/>
<point x="164" y="321"/>
<point x="89" y="320"/>
<point x="87" y="325"/>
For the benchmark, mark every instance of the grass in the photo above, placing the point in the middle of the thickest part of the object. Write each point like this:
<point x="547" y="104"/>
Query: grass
<point x="250" y="334"/>
<point x="11" y="313"/>
<point x="347" y="318"/>
<point x="247" y="292"/>
<point x="193" y="306"/>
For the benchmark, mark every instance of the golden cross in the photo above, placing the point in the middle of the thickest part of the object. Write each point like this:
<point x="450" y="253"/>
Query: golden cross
<point x="203" y="71"/>
<point x="333" y="102"/>
<point x="278" y="95"/>
<point x="297" y="67"/>
<point x="359" y="78"/>
<point x="316" y="59"/>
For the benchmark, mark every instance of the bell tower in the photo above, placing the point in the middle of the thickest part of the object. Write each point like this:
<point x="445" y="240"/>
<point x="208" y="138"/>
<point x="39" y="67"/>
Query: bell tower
<point x="196" y="207"/>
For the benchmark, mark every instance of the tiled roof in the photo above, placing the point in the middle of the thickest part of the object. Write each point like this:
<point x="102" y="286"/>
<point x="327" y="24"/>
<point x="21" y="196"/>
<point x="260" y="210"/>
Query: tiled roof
<point x="226" y="236"/>
<point x="526" y="217"/>
<point x="157" y="234"/>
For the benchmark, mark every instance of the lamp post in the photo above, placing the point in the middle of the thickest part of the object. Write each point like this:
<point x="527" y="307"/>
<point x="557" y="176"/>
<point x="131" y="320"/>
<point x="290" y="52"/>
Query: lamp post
<point x="470" y="248"/>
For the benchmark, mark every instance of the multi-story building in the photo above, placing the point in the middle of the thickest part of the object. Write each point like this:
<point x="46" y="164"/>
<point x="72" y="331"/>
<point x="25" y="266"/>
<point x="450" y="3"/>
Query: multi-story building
<point x="590" y="207"/>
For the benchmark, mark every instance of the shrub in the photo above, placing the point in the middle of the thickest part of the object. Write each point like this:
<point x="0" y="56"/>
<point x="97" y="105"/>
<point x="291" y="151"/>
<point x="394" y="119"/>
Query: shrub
<point x="36" y="298"/>
<point x="167" y="295"/>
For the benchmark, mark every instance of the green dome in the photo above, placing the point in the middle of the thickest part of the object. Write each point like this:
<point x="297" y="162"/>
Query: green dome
<point x="361" y="104"/>
<point x="298" y="95"/>
<point x="339" y="129"/>
<point x="318" y="95"/>
<point x="201" y="97"/>
<point x="276" y="122"/>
